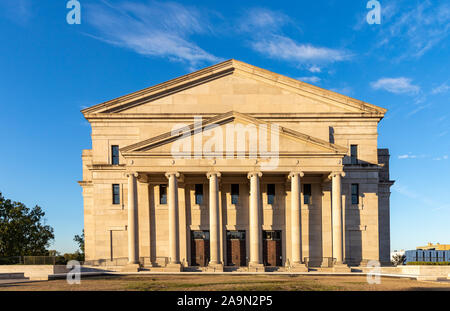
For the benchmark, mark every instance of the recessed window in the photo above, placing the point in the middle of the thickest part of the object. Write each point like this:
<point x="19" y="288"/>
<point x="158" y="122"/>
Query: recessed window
<point x="354" y="154"/>
<point x="199" y="194"/>
<point x="355" y="194"/>
<point x="234" y="193"/>
<point x="116" y="193"/>
<point x="307" y="194"/>
<point x="331" y="134"/>
<point x="162" y="194"/>
<point x="270" y="193"/>
<point x="115" y="155"/>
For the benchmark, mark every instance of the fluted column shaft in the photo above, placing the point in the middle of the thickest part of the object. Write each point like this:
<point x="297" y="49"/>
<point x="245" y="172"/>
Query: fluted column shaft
<point x="174" y="254"/>
<point x="336" y="216"/>
<point x="255" y="219"/>
<point x="296" y="232"/>
<point x="132" y="220"/>
<point x="214" y="232"/>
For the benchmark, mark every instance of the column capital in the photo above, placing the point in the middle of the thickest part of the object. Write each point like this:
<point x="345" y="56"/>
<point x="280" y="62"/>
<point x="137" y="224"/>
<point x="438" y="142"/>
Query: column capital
<point x="334" y="174"/>
<point x="292" y="174"/>
<point x="251" y="174"/>
<point x="210" y="174"/>
<point x="135" y="174"/>
<point x="168" y="174"/>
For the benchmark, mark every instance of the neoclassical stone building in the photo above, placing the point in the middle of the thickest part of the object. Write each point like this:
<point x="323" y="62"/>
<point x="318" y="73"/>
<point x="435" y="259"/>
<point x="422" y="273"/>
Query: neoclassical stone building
<point x="235" y="166"/>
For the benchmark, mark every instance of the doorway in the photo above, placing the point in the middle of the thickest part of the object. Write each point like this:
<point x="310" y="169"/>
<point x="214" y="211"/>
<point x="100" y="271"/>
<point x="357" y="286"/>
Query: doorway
<point x="272" y="248"/>
<point x="199" y="248"/>
<point x="236" y="248"/>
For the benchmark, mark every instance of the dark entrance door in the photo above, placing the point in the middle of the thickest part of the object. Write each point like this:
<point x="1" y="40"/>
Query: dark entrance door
<point x="199" y="248"/>
<point x="272" y="248"/>
<point x="236" y="248"/>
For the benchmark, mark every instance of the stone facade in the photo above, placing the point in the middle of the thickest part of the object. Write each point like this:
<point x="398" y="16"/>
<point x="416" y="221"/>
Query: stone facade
<point x="316" y="129"/>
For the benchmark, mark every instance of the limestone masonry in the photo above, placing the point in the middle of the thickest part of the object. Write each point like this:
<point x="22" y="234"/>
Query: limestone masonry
<point x="154" y="198"/>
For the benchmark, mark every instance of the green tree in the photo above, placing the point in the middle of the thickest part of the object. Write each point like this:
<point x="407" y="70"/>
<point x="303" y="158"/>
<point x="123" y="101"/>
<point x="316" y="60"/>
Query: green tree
<point x="79" y="239"/>
<point x="23" y="231"/>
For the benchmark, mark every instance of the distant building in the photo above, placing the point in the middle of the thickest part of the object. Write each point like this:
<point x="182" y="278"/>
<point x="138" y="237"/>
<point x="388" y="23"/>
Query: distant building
<point x="430" y="253"/>
<point x="437" y="247"/>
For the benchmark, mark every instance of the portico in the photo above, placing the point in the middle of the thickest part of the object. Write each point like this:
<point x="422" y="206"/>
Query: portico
<point x="218" y="224"/>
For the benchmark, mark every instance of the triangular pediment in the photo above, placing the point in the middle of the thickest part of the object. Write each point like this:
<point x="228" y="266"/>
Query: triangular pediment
<point x="237" y="86"/>
<point x="232" y="133"/>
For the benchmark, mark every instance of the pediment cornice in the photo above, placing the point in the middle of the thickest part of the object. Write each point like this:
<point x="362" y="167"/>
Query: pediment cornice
<point x="227" y="68"/>
<point x="192" y="128"/>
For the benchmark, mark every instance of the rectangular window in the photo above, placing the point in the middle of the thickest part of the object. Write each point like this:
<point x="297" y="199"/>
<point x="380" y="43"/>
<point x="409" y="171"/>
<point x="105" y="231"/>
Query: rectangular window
<point x="307" y="194"/>
<point x="115" y="155"/>
<point x="235" y="194"/>
<point x="354" y="154"/>
<point x="270" y="193"/>
<point x="355" y="194"/>
<point x="116" y="193"/>
<point x="331" y="134"/>
<point x="199" y="194"/>
<point x="162" y="194"/>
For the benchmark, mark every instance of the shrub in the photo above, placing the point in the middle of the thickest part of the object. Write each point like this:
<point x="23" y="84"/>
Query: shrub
<point x="428" y="263"/>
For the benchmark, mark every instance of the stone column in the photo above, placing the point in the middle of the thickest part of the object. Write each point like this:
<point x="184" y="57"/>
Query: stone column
<point x="255" y="220"/>
<point x="214" y="233"/>
<point x="336" y="215"/>
<point x="296" y="232"/>
<point x="174" y="254"/>
<point x="132" y="220"/>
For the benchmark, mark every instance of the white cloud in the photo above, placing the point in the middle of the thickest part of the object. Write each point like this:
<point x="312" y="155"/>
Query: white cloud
<point x="443" y="88"/>
<point x="264" y="28"/>
<point x="262" y="19"/>
<point x="281" y="47"/>
<point x="418" y="195"/>
<point x="314" y="69"/>
<point x="396" y="85"/>
<point x="18" y="11"/>
<point x="416" y="27"/>
<point x="346" y="90"/>
<point x="160" y="29"/>
<point x="312" y="79"/>
<point x="407" y="156"/>
<point x="444" y="157"/>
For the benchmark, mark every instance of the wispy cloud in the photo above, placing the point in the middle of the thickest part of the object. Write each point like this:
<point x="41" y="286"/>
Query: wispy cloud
<point x="421" y="156"/>
<point x="262" y="19"/>
<point x="396" y="85"/>
<point x="346" y="90"/>
<point x="314" y="69"/>
<point x="407" y="156"/>
<point x="18" y="11"/>
<point x="281" y="47"/>
<point x="158" y="29"/>
<point x="416" y="27"/>
<point x="443" y="88"/>
<point x="418" y="195"/>
<point x="312" y="79"/>
<point x="444" y="157"/>
<point x="264" y="28"/>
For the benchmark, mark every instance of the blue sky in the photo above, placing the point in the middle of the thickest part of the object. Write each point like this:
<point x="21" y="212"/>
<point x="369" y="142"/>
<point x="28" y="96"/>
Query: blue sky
<point x="50" y="70"/>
